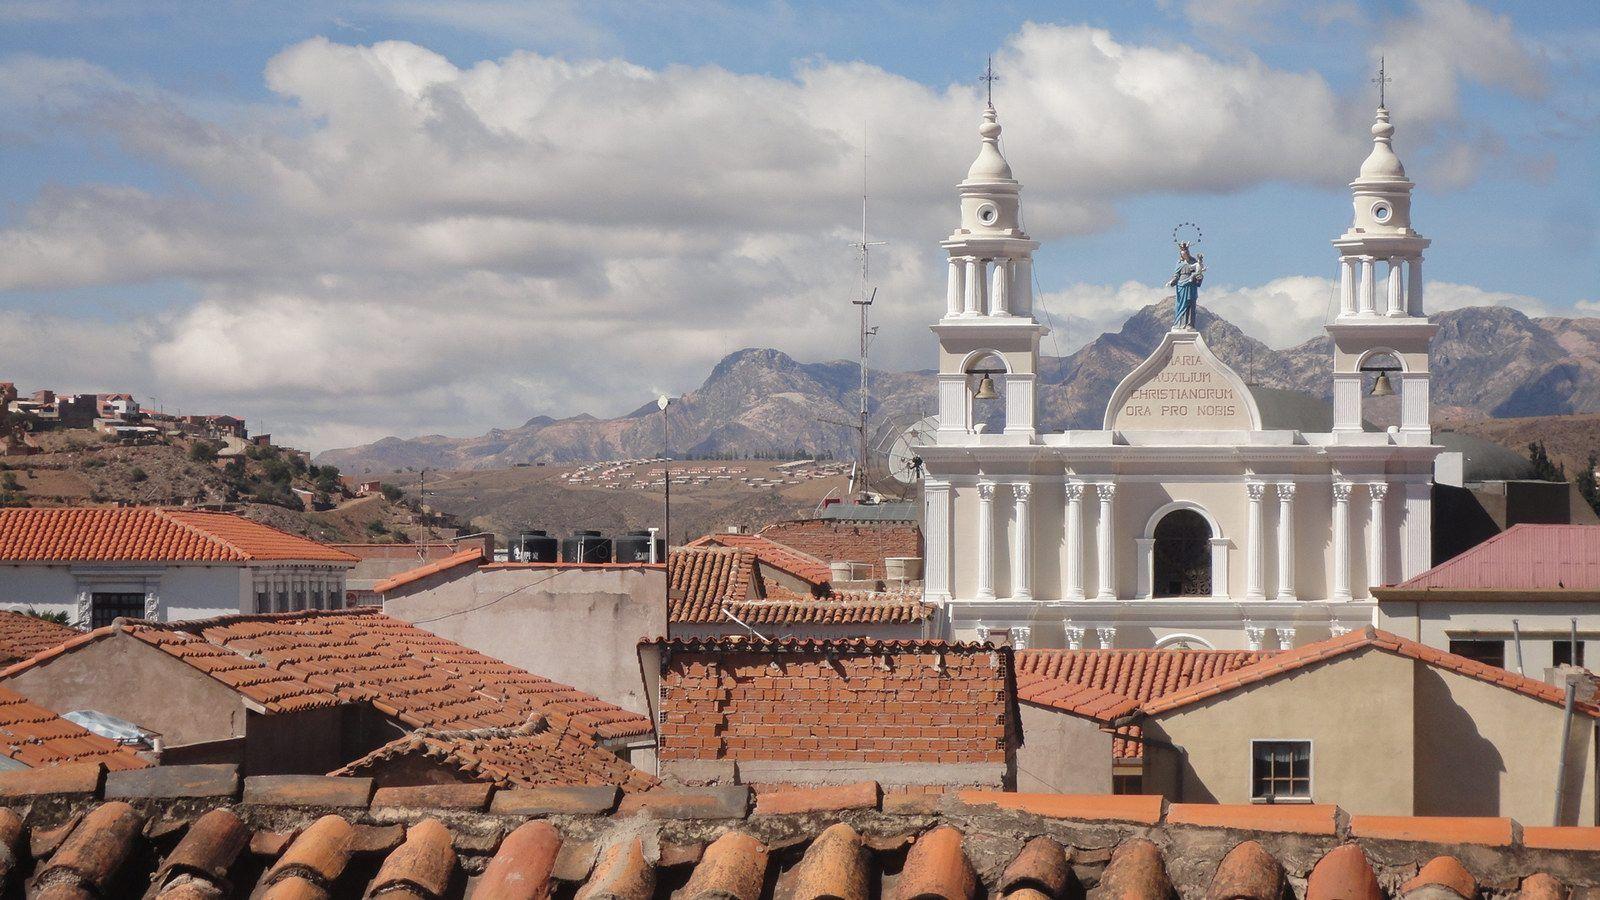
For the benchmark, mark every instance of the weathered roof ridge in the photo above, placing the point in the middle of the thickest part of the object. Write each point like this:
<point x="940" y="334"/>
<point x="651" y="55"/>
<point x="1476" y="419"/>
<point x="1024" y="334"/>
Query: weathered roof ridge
<point x="838" y="840"/>
<point x="739" y="642"/>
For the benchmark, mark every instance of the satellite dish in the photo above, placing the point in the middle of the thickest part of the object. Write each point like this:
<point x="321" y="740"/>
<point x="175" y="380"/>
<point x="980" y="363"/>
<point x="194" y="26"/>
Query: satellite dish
<point x="901" y="459"/>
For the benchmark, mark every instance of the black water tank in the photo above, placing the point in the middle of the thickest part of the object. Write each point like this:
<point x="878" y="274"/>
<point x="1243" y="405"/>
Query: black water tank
<point x="634" y="546"/>
<point x="594" y="548"/>
<point x="538" y="546"/>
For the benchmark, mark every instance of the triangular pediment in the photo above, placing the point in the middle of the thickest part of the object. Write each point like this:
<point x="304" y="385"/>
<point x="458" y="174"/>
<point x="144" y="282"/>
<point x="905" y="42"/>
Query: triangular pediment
<point x="1182" y="386"/>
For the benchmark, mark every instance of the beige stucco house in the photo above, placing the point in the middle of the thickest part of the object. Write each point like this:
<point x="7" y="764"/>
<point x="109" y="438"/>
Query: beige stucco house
<point x="1380" y="725"/>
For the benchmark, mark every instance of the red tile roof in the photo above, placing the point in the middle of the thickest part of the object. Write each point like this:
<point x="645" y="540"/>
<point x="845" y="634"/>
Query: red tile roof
<point x="22" y="635"/>
<point x="833" y="541"/>
<point x="37" y="738"/>
<point x="705" y="580"/>
<point x="543" y="753"/>
<point x="470" y="557"/>
<point x="1373" y="638"/>
<point x="837" y="700"/>
<point x="1109" y="684"/>
<point x="413" y="675"/>
<point x="144" y="533"/>
<point x="274" y="691"/>
<point x="771" y="553"/>
<point x="1523" y="558"/>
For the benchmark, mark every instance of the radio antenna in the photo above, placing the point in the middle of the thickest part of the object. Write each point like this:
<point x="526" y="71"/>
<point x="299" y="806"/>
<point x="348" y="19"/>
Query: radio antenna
<point x="863" y="303"/>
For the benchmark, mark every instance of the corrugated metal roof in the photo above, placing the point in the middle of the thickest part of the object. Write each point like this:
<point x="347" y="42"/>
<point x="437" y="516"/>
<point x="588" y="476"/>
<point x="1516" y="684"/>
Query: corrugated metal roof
<point x="1522" y="558"/>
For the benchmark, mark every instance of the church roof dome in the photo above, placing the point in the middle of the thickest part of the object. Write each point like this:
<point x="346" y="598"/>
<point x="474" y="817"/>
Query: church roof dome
<point x="1482" y="460"/>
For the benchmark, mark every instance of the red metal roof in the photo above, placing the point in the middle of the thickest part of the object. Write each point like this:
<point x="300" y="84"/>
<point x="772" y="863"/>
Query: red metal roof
<point x="1522" y="558"/>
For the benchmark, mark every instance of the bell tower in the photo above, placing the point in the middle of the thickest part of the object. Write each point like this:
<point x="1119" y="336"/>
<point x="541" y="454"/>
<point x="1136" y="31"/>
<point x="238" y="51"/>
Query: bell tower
<point x="1381" y="326"/>
<point x="988" y="333"/>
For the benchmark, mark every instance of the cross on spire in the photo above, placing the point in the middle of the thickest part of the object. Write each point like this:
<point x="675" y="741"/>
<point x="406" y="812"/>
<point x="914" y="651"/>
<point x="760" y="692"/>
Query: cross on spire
<point x="989" y="78"/>
<point x="1381" y="81"/>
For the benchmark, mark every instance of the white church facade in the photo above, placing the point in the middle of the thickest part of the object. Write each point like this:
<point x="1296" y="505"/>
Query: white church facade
<point x="1187" y="519"/>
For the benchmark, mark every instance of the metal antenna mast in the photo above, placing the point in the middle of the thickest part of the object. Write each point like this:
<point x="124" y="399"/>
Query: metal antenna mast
<point x="864" y="304"/>
<point x="1382" y="81"/>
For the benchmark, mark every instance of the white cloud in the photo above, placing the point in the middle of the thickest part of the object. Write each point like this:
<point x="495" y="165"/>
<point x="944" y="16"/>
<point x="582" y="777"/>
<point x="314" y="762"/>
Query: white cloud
<point x="401" y="243"/>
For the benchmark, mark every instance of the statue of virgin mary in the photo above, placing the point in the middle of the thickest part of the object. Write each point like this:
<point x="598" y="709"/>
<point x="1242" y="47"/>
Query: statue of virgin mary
<point x="1186" y="279"/>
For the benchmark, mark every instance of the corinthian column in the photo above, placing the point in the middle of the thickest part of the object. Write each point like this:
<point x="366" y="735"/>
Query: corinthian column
<point x="1074" y="540"/>
<point x="1255" y="571"/>
<point x="1105" y="538"/>
<point x="1022" y="552"/>
<point x="1286" y="541"/>
<point x="1341" y="540"/>
<point x="986" y="540"/>
<point x="1377" y="558"/>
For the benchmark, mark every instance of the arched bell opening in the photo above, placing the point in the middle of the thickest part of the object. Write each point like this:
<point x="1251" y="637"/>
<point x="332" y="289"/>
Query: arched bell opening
<point x="986" y="384"/>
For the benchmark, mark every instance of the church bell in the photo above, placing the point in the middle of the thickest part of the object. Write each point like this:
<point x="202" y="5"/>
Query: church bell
<point x="1381" y="386"/>
<point x="985" y="388"/>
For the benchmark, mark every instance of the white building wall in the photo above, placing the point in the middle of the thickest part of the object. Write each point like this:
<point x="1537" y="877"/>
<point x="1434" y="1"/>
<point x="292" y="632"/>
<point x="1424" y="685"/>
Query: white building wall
<point x="173" y="592"/>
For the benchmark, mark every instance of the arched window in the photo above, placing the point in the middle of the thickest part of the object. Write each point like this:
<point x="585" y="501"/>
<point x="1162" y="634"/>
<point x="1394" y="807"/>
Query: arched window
<point x="1182" y="555"/>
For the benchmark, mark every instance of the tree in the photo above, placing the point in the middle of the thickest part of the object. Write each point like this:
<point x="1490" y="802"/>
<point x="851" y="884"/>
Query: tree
<point x="137" y="475"/>
<point x="1543" y="468"/>
<point x="392" y="493"/>
<point x="203" y="452"/>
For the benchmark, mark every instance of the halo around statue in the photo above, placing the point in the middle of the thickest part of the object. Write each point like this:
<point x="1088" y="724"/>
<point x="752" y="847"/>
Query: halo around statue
<point x="1186" y="233"/>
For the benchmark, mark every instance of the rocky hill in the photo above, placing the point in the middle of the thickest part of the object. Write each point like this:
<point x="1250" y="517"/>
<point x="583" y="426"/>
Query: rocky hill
<point x="1488" y="362"/>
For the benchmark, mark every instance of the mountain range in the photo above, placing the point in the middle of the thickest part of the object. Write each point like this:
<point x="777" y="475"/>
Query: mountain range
<point x="1488" y="362"/>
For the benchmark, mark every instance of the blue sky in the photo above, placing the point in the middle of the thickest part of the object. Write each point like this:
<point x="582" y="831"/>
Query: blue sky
<point x="344" y="220"/>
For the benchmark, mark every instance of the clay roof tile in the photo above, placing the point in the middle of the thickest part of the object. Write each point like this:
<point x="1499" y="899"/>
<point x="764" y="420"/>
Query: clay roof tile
<point x="834" y="866"/>
<point x="521" y="868"/>
<point x="1136" y="872"/>
<point x="734" y="868"/>
<point x="319" y="854"/>
<point x="1446" y="872"/>
<point x="1542" y="886"/>
<point x="1248" y="872"/>
<point x="424" y="863"/>
<point x="207" y="850"/>
<point x="621" y="874"/>
<point x="90" y="857"/>
<point x="936" y="868"/>
<point x="1041" y="866"/>
<point x="1343" y="873"/>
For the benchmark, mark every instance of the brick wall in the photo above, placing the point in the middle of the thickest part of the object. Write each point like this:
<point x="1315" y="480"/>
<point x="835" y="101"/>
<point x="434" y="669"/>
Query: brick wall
<point x="933" y="707"/>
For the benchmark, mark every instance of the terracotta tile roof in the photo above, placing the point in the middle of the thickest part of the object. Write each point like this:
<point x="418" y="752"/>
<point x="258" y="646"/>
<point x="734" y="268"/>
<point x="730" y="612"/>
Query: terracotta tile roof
<point x="465" y="558"/>
<point x="413" y="675"/>
<point x="141" y="533"/>
<point x="771" y="553"/>
<point x="818" y="701"/>
<point x="543" y="753"/>
<point x="703" y="581"/>
<point x="37" y="738"/>
<point x="1523" y="558"/>
<point x="274" y="691"/>
<point x="22" y="635"/>
<point x="1109" y="684"/>
<point x="864" y="542"/>
<point x="837" y="608"/>
<point x="1365" y="638"/>
<point x="700" y="579"/>
<point x="699" y="844"/>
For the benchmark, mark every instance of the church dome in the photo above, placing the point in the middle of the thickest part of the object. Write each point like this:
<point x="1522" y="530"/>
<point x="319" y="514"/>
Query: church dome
<point x="1283" y="410"/>
<point x="1482" y="460"/>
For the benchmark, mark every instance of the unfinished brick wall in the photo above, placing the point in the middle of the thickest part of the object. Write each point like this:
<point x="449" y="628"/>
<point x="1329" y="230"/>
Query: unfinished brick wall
<point x="891" y="706"/>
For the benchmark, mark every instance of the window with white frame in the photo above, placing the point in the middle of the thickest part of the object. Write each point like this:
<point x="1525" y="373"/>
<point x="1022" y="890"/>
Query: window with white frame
<point x="1280" y="770"/>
